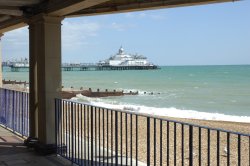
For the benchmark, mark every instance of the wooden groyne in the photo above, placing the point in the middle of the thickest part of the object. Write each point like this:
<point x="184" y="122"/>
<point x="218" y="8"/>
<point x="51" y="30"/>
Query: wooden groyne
<point x="68" y="94"/>
<point x="15" y="82"/>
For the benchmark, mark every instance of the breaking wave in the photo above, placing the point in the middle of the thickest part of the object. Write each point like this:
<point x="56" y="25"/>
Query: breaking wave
<point x="170" y="112"/>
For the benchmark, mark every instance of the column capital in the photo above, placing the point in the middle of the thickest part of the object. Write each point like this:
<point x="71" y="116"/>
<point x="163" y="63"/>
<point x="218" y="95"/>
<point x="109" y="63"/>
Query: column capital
<point x="44" y="18"/>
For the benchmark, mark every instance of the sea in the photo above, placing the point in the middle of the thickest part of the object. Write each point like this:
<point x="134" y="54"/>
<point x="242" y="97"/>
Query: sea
<point x="199" y="92"/>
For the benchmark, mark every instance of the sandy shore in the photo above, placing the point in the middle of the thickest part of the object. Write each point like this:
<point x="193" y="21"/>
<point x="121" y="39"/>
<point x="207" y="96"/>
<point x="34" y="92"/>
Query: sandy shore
<point x="225" y="125"/>
<point x="16" y="87"/>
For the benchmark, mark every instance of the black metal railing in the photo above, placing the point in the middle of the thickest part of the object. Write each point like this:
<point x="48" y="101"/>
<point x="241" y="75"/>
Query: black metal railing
<point x="90" y="135"/>
<point x="14" y="111"/>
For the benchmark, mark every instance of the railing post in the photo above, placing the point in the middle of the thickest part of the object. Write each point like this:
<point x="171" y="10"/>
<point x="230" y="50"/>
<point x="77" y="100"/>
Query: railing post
<point x="5" y="106"/>
<point x="239" y="149"/>
<point x="72" y="132"/>
<point x="190" y="145"/>
<point x="208" y="147"/>
<point x="116" y="138"/>
<point x="92" y="128"/>
<point x="22" y="113"/>
<point x="148" y="141"/>
<point x="56" y="131"/>
<point x="228" y="149"/>
<point x="27" y="115"/>
<point x="13" y="110"/>
<point x="218" y="148"/>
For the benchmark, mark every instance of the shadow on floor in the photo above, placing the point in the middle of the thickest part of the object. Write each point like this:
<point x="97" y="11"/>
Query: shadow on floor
<point x="7" y="148"/>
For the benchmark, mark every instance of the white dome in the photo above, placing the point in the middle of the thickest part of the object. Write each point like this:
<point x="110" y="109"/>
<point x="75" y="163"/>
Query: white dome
<point x="121" y="50"/>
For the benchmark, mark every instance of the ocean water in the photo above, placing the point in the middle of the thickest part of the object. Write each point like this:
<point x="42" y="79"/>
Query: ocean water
<point x="200" y="92"/>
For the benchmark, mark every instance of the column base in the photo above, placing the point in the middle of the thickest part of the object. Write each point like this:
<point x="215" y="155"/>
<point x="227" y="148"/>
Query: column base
<point x="43" y="149"/>
<point x="30" y="142"/>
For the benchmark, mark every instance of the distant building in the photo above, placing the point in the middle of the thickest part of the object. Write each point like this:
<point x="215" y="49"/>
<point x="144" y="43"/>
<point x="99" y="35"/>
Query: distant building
<point x="21" y="63"/>
<point x="123" y="59"/>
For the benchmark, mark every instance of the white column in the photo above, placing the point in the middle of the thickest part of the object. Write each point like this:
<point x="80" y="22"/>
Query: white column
<point x="45" y="75"/>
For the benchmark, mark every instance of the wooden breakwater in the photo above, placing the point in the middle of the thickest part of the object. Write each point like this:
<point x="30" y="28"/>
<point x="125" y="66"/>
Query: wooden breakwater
<point x="68" y="94"/>
<point x="14" y="82"/>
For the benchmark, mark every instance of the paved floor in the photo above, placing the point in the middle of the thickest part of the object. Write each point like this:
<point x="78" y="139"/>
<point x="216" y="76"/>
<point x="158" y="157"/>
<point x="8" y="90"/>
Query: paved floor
<point x="13" y="153"/>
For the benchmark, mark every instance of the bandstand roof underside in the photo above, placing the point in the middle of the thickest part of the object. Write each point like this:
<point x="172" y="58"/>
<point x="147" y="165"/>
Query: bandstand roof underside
<point x="16" y="13"/>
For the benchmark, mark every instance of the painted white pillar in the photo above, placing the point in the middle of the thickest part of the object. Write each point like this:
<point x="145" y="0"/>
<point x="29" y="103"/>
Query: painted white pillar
<point x="1" y="73"/>
<point x="45" y="75"/>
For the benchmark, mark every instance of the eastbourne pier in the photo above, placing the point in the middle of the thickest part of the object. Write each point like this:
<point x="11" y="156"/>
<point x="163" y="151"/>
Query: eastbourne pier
<point x="119" y="61"/>
<point x="86" y="67"/>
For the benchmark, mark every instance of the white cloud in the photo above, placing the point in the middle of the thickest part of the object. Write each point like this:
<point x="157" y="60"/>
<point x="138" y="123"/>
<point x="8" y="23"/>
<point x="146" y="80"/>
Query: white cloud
<point x="129" y="15"/>
<point x="157" y="17"/>
<point x="75" y="34"/>
<point x="121" y="27"/>
<point x="17" y="37"/>
<point x="147" y="15"/>
<point x="15" y="44"/>
<point x="142" y="15"/>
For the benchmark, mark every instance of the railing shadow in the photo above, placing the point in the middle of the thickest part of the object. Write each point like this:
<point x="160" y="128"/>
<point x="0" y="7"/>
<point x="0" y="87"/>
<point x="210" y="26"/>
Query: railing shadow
<point x="103" y="161"/>
<point x="7" y="148"/>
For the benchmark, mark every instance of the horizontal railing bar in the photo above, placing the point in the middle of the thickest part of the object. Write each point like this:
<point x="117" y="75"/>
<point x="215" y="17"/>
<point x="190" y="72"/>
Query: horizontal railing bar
<point x="14" y="131"/>
<point x="158" y="118"/>
<point x="14" y="90"/>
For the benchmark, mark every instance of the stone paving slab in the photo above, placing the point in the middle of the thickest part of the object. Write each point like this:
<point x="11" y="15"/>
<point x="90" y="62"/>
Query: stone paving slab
<point x="13" y="153"/>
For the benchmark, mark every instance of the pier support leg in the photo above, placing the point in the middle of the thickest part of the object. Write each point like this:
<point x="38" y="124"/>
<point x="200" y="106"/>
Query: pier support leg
<point x="45" y="78"/>
<point x="1" y="73"/>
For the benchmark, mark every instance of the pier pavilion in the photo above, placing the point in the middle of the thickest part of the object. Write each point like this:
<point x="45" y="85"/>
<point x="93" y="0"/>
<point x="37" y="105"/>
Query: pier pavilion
<point x="44" y="19"/>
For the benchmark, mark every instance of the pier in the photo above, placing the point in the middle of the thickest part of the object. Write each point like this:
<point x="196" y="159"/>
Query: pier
<point x="89" y="67"/>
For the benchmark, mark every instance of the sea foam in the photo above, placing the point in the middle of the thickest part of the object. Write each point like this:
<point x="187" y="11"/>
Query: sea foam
<point x="170" y="112"/>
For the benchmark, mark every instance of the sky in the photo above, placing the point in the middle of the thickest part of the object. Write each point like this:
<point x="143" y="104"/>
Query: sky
<point x="216" y="34"/>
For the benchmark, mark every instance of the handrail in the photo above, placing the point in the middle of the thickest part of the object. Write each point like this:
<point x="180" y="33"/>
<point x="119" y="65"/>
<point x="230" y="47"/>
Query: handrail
<point x="89" y="134"/>
<point x="14" y="112"/>
<point x="160" y="118"/>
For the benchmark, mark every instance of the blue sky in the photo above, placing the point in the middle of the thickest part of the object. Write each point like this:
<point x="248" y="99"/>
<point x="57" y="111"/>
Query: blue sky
<point x="198" y="35"/>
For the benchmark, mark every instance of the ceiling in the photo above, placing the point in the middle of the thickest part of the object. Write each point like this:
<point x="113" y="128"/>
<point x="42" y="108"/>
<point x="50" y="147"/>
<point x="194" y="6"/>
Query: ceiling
<point x="15" y="13"/>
